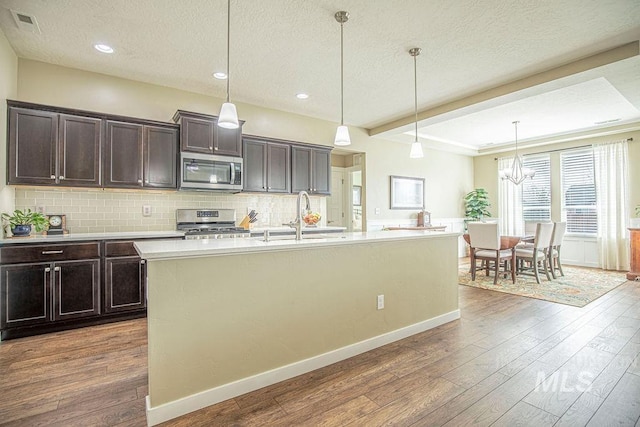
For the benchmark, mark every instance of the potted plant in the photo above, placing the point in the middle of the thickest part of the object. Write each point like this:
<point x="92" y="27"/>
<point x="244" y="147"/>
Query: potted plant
<point x="476" y="203"/>
<point x="21" y="222"/>
<point x="635" y="222"/>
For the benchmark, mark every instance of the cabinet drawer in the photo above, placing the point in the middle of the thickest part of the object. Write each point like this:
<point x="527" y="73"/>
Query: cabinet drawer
<point x="113" y="249"/>
<point x="39" y="253"/>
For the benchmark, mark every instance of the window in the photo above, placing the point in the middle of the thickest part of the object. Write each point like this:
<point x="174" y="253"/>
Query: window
<point x="579" y="191"/>
<point x="536" y="192"/>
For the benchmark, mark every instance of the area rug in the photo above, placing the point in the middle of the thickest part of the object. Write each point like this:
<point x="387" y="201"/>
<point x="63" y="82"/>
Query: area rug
<point x="578" y="287"/>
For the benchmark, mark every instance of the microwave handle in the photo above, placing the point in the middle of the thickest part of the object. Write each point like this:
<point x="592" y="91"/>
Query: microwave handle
<point x="233" y="173"/>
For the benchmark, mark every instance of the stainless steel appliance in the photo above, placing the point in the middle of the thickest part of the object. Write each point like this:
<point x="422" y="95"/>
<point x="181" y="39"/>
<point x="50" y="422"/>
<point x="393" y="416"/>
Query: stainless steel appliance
<point x="210" y="172"/>
<point x="209" y="224"/>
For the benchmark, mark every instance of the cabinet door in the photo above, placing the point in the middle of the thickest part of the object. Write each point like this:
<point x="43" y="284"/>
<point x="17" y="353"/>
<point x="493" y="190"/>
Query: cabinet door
<point x="32" y="146"/>
<point x="300" y="169"/>
<point x="80" y="142"/>
<point x="228" y="142"/>
<point x="76" y="289"/>
<point x="25" y="294"/>
<point x="160" y="157"/>
<point x="197" y="135"/>
<point x="255" y="164"/>
<point x="278" y="168"/>
<point x="123" y="155"/>
<point x="124" y="284"/>
<point x="321" y="170"/>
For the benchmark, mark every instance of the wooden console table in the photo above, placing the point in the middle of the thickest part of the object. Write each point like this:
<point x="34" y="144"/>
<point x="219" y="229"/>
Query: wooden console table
<point x="634" y="240"/>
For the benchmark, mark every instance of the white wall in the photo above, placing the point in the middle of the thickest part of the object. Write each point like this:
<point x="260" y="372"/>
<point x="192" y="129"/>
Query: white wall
<point x="8" y="90"/>
<point x="448" y="176"/>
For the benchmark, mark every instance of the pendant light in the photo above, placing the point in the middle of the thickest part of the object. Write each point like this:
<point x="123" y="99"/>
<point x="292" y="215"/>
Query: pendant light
<point x="416" y="146"/>
<point x="517" y="173"/>
<point x="342" y="134"/>
<point x="228" y="117"/>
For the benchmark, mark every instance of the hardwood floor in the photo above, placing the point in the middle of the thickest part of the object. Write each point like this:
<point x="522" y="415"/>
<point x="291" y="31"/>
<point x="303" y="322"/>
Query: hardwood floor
<point x="508" y="361"/>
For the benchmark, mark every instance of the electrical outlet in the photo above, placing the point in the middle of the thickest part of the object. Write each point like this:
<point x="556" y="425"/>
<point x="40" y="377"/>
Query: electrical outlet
<point x="377" y="211"/>
<point x="146" y="210"/>
<point x="380" y="302"/>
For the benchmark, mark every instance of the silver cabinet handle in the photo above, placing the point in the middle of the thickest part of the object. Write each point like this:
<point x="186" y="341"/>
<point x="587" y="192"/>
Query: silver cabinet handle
<point x="143" y="262"/>
<point x="140" y="181"/>
<point x="146" y="181"/>
<point x="52" y="252"/>
<point x="61" y="177"/>
<point x="56" y="268"/>
<point x="53" y="177"/>
<point x="47" y="270"/>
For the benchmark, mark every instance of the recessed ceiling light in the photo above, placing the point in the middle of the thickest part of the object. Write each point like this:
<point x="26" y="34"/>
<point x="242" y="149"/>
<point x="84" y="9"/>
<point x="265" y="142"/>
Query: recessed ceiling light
<point x="220" y="75"/>
<point x="302" y="96"/>
<point x="103" y="48"/>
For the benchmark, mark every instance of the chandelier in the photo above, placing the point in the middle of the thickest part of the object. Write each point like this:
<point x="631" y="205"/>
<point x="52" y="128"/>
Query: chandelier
<point x="517" y="172"/>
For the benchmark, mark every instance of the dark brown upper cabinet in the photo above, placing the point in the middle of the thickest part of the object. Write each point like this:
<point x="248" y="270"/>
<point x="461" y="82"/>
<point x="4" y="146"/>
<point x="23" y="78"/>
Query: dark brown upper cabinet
<point x="160" y="150"/>
<point x="139" y="156"/>
<point x="49" y="148"/>
<point x="200" y="133"/>
<point x="311" y="170"/>
<point x="267" y="166"/>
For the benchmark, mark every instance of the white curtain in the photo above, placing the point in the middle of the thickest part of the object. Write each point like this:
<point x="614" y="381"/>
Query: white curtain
<point x="509" y="203"/>
<point x="612" y="177"/>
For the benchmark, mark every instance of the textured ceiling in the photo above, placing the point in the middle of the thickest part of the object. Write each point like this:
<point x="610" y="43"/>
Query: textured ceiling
<point x="282" y="47"/>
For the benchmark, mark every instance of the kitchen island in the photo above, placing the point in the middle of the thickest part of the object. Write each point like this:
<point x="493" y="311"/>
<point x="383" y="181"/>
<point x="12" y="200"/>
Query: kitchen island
<point x="229" y="316"/>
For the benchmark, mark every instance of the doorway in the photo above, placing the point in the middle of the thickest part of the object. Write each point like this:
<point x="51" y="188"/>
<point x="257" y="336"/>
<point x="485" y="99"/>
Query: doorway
<point x="346" y="205"/>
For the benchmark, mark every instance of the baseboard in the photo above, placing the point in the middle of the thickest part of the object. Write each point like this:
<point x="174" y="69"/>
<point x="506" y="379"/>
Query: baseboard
<point x="170" y="410"/>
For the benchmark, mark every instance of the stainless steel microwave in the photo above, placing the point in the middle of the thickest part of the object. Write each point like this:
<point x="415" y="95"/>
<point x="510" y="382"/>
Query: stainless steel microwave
<point x="210" y="172"/>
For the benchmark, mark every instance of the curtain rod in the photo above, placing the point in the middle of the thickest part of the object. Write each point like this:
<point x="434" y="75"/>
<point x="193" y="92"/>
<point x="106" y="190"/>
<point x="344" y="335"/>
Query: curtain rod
<point x="565" y="149"/>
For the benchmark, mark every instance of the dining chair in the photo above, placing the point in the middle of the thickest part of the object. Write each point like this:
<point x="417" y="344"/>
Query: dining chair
<point x="559" y="229"/>
<point x="536" y="256"/>
<point x="484" y="239"/>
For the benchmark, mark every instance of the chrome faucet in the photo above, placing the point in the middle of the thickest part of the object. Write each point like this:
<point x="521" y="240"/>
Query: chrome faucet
<point x="299" y="213"/>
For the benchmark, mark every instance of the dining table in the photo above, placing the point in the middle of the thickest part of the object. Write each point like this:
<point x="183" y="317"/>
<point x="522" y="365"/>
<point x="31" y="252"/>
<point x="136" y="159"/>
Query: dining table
<point x="506" y="242"/>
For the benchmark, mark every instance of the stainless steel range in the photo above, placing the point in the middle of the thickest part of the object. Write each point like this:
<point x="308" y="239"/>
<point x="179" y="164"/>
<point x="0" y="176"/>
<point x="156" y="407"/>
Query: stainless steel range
<point x="209" y="224"/>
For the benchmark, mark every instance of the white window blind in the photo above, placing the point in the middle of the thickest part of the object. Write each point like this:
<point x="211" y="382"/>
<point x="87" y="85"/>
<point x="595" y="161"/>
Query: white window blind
<point x="536" y="192"/>
<point x="578" y="191"/>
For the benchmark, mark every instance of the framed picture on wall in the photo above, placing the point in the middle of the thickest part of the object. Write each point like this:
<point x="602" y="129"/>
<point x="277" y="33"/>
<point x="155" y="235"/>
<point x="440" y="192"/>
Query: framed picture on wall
<point x="357" y="195"/>
<point x="406" y="192"/>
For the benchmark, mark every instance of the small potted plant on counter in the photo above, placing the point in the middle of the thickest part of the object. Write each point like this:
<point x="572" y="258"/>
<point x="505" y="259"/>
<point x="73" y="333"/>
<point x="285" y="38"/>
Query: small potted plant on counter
<point x="22" y="222"/>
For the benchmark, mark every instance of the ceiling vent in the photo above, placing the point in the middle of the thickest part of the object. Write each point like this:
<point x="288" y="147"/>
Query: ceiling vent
<point x="26" y="22"/>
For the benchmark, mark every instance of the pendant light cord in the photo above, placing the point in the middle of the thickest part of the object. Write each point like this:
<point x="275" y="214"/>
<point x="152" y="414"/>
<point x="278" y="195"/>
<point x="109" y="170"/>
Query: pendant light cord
<point x="415" y="92"/>
<point x="341" y="74"/>
<point x="516" y="124"/>
<point x="228" y="44"/>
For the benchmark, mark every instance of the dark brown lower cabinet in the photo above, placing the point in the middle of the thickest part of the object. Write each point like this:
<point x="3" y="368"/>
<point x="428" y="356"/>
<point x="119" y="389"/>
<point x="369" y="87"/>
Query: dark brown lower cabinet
<point x="125" y="284"/>
<point x="46" y="288"/>
<point x="25" y="294"/>
<point x="48" y="292"/>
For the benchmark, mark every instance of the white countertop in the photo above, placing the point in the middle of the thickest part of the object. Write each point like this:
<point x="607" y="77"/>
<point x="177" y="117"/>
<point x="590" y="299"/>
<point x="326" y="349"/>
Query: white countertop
<point x="132" y="235"/>
<point x="173" y="249"/>
<point x="285" y="229"/>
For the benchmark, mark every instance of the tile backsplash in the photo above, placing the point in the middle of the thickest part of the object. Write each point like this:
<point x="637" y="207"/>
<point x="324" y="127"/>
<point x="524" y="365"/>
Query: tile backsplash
<point x="107" y="210"/>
